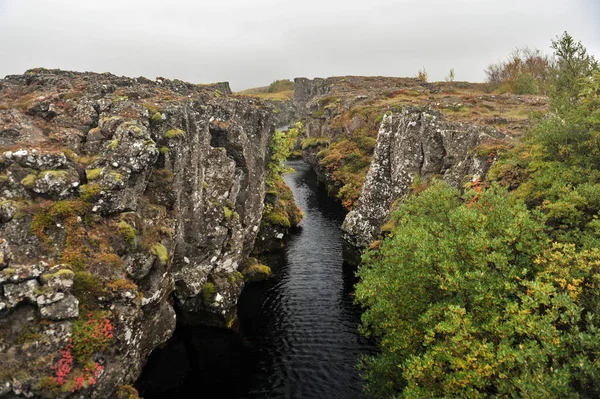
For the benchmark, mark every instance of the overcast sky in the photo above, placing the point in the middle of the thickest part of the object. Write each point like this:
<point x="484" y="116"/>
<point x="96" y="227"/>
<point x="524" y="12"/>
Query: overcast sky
<point x="253" y="42"/>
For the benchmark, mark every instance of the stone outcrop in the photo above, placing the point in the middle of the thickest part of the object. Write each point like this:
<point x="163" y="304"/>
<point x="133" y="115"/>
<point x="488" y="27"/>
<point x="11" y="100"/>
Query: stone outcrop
<point x="416" y="143"/>
<point x="119" y="198"/>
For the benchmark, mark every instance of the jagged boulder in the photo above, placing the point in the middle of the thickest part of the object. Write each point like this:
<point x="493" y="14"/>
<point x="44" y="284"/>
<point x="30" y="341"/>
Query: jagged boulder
<point x="415" y="143"/>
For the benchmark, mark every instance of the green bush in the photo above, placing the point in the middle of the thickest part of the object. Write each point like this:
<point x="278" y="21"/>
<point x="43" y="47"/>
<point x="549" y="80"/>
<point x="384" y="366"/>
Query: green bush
<point x="526" y="84"/>
<point x="472" y="300"/>
<point x="495" y="295"/>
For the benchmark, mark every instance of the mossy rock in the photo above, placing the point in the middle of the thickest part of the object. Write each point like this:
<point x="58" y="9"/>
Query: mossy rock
<point x="87" y="288"/>
<point x="89" y="192"/>
<point x="277" y="219"/>
<point x="230" y="214"/>
<point x="160" y="251"/>
<point x="113" y="144"/>
<point x="174" y="134"/>
<point x="54" y="174"/>
<point x="29" y="180"/>
<point x="157" y="117"/>
<point x="208" y="292"/>
<point x="93" y="174"/>
<point x="128" y="232"/>
<point x="62" y="273"/>
<point x="256" y="272"/>
<point x="235" y="277"/>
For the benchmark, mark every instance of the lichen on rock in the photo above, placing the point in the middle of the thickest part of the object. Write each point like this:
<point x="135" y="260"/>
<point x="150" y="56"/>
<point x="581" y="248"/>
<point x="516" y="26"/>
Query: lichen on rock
<point x="119" y="196"/>
<point x="415" y="143"/>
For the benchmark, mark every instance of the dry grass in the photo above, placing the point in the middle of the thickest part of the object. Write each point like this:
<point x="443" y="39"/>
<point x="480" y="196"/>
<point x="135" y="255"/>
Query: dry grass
<point x="280" y="96"/>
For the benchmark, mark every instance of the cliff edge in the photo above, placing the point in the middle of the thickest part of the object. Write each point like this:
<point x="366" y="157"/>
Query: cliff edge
<point x="120" y="199"/>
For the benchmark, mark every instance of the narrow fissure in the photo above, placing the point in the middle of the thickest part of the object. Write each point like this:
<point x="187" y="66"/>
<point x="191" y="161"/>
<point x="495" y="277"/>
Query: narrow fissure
<point x="297" y="335"/>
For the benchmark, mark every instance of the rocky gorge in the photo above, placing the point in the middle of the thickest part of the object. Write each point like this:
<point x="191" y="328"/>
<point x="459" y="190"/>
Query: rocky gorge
<point x="375" y="140"/>
<point x="121" y="200"/>
<point x="127" y="204"/>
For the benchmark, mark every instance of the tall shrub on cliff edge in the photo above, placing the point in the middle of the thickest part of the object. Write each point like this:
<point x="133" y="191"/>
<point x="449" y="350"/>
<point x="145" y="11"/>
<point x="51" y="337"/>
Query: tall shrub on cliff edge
<point x="472" y="300"/>
<point x="572" y="66"/>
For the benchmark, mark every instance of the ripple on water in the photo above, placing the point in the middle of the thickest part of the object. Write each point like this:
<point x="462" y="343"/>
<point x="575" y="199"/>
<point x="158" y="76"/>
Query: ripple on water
<point x="308" y="342"/>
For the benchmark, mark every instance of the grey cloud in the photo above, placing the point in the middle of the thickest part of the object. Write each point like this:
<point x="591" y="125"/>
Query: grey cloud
<point x="251" y="43"/>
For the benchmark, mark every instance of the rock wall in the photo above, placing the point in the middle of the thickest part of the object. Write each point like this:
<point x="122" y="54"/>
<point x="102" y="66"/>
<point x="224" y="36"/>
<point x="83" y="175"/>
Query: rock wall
<point x="415" y="143"/>
<point x="119" y="199"/>
<point x="307" y="89"/>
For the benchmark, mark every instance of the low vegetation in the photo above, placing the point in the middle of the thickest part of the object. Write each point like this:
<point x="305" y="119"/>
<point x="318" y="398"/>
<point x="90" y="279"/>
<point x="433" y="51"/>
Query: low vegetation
<point x="280" y="208"/>
<point x="278" y="90"/>
<point x="494" y="292"/>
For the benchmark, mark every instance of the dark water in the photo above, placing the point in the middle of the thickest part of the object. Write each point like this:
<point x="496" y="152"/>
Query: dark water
<point x="298" y="331"/>
<point x="303" y="322"/>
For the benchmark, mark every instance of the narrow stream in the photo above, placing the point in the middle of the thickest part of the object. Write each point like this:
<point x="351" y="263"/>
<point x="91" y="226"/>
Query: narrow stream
<point x="298" y="334"/>
<point x="303" y="322"/>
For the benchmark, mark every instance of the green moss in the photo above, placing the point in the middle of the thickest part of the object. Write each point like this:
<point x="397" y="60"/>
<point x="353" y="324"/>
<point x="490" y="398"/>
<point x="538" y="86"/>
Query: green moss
<point x="164" y="149"/>
<point x="89" y="192"/>
<point x="160" y="251"/>
<point x="70" y="154"/>
<point x="8" y="272"/>
<point x="235" y="277"/>
<point x="152" y="108"/>
<point x="54" y="174"/>
<point x="135" y="129"/>
<point x="208" y="292"/>
<point x="313" y="142"/>
<point x="87" y="288"/>
<point x="62" y="273"/>
<point x="228" y="213"/>
<point x="111" y="118"/>
<point x="231" y="321"/>
<point x="256" y="272"/>
<point x="47" y="216"/>
<point x="157" y="117"/>
<point x="29" y="180"/>
<point x="388" y="226"/>
<point x="277" y="219"/>
<point x="127" y="231"/>
<point x="117" y="176"/>
<point x="93" y="174"/>
<point x="113" y="144"/>
<point x="174" y="134"/>
<point x="127" y="392"/>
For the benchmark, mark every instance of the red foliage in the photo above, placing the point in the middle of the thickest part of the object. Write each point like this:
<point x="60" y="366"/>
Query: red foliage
<point x="64" y="365"/>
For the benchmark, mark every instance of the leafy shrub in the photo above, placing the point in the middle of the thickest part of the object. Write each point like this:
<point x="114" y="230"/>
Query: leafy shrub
<point x="526" y="71"/>
<point x="526" y="84"/>
<point x="471" y="300"/>
<point x="422" y="75"/>
<point x="494" y="295"/>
